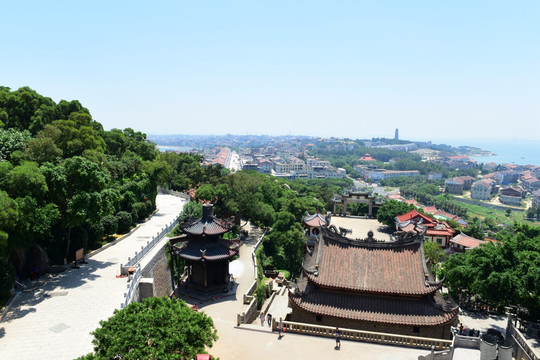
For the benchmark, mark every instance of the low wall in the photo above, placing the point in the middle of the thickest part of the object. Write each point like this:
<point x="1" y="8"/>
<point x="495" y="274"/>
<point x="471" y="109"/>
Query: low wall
<point x="367" y="336"/>
<point x="485" y="204"/>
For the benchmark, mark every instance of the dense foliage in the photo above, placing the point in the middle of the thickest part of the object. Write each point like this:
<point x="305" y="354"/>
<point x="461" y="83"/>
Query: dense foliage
<point x="506" y="273"/>
<point x="156" y="328"/>
<point x="63" y="178"/>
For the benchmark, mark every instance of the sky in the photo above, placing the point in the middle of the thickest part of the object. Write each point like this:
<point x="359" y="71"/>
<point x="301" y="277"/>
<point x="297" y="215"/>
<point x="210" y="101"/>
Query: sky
<point x="437" y="70"/>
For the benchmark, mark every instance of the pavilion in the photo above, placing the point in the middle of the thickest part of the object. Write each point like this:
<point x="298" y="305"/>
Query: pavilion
<point x="205" y="252"/>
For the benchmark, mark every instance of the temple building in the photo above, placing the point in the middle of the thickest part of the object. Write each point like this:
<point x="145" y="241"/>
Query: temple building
<point x="205" y="252"/>
<point x="434" y="230"/>
<point x="371" y="285"/>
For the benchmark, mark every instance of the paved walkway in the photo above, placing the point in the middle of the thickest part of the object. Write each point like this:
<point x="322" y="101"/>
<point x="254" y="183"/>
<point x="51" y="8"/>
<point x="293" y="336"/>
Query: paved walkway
<point x="54" y="321"/>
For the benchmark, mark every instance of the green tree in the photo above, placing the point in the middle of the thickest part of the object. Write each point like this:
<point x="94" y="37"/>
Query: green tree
<point x="156" y="328"/>
<point x="434" y="255"/>
<point x="76" y="187"/>
<point x="388" y="212"/>
<point x="192" y="210"/>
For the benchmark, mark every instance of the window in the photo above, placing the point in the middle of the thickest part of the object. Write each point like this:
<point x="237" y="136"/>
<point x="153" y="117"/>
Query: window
<point x="416" y="329"/>
<point x="318" y="318"/>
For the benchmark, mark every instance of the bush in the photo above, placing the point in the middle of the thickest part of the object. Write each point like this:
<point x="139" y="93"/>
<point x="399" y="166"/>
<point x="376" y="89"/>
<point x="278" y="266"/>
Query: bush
<point x="110" y="225"/>
<point x="140" y="209"/>
<point x="124" y="221"/>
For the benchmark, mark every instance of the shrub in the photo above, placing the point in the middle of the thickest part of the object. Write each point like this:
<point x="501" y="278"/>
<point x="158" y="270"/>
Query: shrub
<point x="124" y="221"/>
<point x="110" y="225"/>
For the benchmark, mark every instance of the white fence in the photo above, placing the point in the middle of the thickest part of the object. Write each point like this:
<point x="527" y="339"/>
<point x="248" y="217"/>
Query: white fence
<point x="132" y="288"/>
<point x="150" y="244"/>
<point x="174" y="193"/>
<point x="524" y="350"/>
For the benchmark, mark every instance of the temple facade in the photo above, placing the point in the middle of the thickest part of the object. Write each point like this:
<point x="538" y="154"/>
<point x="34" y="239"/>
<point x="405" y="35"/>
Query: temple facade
<point x="371" y="285"/>
<point x="205" y="252"/>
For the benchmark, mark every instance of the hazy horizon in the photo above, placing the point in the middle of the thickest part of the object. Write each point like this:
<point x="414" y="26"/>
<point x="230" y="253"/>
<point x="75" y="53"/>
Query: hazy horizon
<point x="460" y="70"/>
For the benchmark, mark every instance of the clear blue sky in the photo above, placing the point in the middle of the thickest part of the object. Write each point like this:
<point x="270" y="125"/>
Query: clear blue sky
<point x="434" y="69"/>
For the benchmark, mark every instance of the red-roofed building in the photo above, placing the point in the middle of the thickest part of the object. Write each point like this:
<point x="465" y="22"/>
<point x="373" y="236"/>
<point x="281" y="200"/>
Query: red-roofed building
<point x="462" y="242"/>
<point x="397" y="197"/>
<point x="435" y="230"/>
<point x="371" y="285"/>
<point x="367" y="157"/>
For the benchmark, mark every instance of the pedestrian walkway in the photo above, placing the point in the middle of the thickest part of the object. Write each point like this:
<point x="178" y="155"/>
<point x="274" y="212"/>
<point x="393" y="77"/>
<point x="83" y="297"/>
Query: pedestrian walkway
<point x="55" y="320"/>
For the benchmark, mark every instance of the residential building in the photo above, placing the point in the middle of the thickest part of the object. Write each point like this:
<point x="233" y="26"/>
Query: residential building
<point x="536" y="198"/>
<point x="462" y="242"/>
<point x="481" y="190"/>
<point x="510" y="196"/>
<point x="380" y="174"/>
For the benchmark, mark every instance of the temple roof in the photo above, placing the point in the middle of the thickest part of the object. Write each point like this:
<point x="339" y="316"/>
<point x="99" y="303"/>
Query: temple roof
<point x="315" y="220"/>
<point x="207" y="224"/>
<point x="198" y="249"/>
<point x="396" y="268"/>
<point x="403" y="311"/>
<point x="416" y="216"/>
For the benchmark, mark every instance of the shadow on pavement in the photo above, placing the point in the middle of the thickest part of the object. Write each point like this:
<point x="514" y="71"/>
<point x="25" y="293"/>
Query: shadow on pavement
<point x="52" y="285"/>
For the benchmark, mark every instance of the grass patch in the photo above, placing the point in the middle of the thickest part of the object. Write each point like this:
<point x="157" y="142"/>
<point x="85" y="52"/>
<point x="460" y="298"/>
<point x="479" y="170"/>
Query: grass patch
<point x="483" y="212"/>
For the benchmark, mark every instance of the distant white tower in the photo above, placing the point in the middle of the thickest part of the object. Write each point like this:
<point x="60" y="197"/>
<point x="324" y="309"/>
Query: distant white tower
<point x="396" y="136"/>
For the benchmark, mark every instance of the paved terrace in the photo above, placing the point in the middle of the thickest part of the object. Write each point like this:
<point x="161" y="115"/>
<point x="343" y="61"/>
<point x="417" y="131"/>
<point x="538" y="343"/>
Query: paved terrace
<point x="54" y="320"/>
<point x="360" y="227"/>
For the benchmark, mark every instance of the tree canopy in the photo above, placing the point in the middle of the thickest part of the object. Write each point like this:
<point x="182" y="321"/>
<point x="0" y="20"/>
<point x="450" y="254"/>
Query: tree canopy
<point x="505" y="273"/>
<point x="156" y="328"/>
<point x="392" y="208"/>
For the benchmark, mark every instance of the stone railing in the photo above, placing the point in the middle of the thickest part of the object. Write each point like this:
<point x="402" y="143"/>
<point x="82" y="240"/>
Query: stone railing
<point x="149" y="245"/>
<point x="132" y="288"/>
<point x="367" y="336"/>
<point x="524" y="350"/>
<point x="174" y="193"/>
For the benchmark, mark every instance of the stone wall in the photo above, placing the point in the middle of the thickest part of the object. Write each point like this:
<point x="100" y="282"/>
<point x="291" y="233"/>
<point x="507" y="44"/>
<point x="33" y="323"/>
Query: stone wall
<point x="157" y="269"/>
<point x="302" y="316"/>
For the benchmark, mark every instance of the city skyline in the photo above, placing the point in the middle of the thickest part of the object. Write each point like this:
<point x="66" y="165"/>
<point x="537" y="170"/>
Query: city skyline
<point x="436" y="71"/>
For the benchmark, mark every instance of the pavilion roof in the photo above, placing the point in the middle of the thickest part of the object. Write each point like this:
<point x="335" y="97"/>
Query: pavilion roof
<point x="315" y="220"/>
<point x="198" y="249"/>
<point x="207" y="224"/>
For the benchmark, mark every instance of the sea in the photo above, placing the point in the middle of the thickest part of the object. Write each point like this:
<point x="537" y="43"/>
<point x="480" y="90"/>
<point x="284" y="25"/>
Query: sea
<point x="511" y="151"/>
